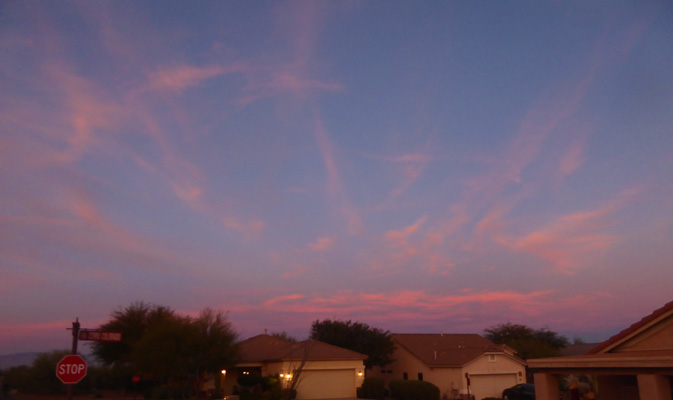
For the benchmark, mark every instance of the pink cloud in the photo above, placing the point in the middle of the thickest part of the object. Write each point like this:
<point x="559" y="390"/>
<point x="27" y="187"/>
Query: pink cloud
<point x="321" y="245"/>
<point x="401" y="236"/>
<point x="83" y="114"/>
<point x="469" y="310"/>
<point x="335" y="187"/>
<point x="572" y="159"/>
<point x="283" y="300"/>
<point x="183" y="77"/>
<point x="573" y="241"/>
<point x="414" y="246"/>
<point x="11" y="331"/>
<point x="294" y="272"/>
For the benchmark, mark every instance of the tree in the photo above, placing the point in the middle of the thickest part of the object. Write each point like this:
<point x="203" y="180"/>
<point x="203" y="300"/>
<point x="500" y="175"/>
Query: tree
<point x="285" y="336"/>
<point x="40" y="377"/>
<point x="528" y="342"/>
<point x="375" y="343"/>
<point x="216" y="345"/>
<point x="169" y="348"/>
<point x="133" y="321"/>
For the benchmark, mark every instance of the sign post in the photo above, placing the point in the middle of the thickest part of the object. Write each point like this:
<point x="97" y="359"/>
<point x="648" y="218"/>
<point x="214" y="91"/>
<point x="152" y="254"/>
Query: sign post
<point x="72" y="369"/>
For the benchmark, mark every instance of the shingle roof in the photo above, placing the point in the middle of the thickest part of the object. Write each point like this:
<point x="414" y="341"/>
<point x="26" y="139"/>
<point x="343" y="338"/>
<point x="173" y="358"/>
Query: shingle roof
<point x="263" y="348"/>
<point x="621" y="336"/>
<point x="447" y="350"/>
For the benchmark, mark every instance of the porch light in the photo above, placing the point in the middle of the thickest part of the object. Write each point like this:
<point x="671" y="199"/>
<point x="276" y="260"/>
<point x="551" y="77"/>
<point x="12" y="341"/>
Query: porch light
<point x="224" y="372"/>
<point x="359" y="373"/>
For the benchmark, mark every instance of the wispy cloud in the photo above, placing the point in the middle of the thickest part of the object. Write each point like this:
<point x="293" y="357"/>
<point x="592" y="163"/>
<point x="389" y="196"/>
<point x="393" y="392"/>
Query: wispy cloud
<point x="335" y="188"/>
<point x="572" y="159"/>
<point x="573" y="241"/>
<point x="185" y="76"/>
<point x="415" y="246"/>
<point x="322" y="244"/>
<point x="469" y="311"/>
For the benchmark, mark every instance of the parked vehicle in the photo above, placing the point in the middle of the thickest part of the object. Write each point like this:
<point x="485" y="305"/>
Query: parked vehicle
<point x="522" y="391"/>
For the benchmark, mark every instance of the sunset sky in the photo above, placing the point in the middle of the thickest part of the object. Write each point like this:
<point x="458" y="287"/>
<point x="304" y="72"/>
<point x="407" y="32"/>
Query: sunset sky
<point x="421" y="167"/>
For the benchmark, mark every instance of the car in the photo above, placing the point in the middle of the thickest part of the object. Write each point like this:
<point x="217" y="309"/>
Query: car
<point x="522" y="391"/>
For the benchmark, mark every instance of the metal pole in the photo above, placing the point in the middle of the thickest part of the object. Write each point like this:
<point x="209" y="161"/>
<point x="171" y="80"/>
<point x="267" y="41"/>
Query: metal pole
<point x="75" y="337"/>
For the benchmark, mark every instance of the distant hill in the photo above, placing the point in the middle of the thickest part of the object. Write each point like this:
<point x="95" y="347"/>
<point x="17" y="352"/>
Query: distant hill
<point x="15" y="360"/>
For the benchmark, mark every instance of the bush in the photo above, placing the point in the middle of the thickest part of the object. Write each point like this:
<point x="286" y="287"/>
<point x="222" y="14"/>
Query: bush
<point x="372" y="388"/>
<point x="413" y="390"/>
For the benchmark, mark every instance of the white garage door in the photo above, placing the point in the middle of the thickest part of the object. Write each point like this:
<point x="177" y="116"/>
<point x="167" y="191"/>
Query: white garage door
<point x="326" y="384"/>
<point x="491" y="385"/>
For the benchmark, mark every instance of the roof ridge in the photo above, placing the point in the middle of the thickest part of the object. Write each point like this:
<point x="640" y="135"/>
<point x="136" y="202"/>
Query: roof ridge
<point x="632" y="328"/>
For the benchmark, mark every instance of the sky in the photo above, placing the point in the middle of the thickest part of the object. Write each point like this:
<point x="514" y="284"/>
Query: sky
<point x="421" y="167"/>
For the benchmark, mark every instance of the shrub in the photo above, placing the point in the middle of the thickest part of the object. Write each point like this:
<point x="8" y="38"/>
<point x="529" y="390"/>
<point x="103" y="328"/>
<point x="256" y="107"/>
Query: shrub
<point x="372" y="388"/>
<point x="413" y="390"/>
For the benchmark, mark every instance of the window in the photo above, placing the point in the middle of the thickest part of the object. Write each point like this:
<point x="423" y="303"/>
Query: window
<point x="491" y="358"/>
<point x="405" y="376"/>
<point x="420" y="376"/>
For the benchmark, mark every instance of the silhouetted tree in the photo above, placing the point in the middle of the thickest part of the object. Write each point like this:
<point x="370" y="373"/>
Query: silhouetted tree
<point x="285" y="336"/>
<point x="375" y="343"/>
<point x="166" y="347"/>
<point x="528" y="342"/>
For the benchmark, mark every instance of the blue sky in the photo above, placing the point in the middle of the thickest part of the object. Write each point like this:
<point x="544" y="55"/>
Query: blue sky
<point x="420" y="167"/>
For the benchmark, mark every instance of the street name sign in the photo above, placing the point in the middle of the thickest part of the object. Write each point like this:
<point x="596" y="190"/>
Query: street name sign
<point x="71" y="369"/>
<point x="99" y="336"/>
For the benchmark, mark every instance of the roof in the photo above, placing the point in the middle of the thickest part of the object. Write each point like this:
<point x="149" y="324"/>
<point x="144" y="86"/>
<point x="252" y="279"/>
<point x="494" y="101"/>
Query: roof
<point x="267" y="348"/>
<point x="449" y="350"/>
<point x="603" y="356"/>
<point x="621" y="337"/>
<point x="660" y="359"/>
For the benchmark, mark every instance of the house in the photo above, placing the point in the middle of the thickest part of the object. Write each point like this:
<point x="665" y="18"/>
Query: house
<point x="459" y="364"/>
<point x="326" y="371"/>
<point x="635" y="364"/>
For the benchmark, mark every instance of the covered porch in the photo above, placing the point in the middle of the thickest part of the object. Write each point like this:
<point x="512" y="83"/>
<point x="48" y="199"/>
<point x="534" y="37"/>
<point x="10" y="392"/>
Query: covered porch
<point x="636" y="375"/>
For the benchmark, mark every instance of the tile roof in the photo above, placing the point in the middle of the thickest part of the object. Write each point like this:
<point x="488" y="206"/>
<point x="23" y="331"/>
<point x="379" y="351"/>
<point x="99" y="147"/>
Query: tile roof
<point x="623" y="335"/>
<point x="265" y="348"/>
<point x="448" y="350"/>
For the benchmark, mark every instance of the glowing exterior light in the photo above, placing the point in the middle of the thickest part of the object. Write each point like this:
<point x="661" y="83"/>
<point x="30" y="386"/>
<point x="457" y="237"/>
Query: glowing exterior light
<point x="224" y="371"/>
<point x="359" y="373"/>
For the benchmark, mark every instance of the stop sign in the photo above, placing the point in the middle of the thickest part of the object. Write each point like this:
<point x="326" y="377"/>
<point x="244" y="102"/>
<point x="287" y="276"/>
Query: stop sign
<point x="71" y="369"/>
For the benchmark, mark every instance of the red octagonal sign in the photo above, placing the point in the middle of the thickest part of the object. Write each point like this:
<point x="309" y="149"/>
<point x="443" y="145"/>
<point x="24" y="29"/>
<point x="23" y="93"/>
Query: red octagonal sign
<point x="71" y="369"/>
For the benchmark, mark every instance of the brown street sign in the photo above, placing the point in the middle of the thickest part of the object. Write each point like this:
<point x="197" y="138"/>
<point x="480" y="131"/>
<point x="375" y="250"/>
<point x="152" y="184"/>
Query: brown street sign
<point x="99" y="336"/>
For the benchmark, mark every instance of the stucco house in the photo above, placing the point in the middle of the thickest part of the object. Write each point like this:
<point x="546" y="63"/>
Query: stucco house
<point x="459" y="364"/>
<point x="635" y="364"/>
<point x="328" y="371"/>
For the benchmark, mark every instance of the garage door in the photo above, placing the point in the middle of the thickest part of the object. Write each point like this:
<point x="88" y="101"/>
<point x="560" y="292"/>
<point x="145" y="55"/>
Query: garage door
<point x="491" y="385"/>
<point x="326" y="384"/>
